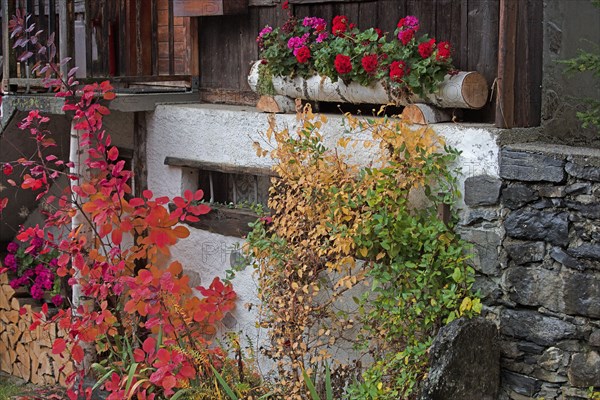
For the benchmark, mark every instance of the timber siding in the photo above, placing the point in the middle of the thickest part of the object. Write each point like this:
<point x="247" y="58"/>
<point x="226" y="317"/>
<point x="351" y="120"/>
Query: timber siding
<point x="228" y="46"/>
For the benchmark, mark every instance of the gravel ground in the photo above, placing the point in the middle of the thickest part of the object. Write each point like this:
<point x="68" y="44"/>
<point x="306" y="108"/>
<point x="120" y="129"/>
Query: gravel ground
<point x="13" y="388"/>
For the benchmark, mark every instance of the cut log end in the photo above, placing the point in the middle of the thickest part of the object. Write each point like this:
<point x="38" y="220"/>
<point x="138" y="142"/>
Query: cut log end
<point x="423" y="114"/>
<point x="474" y="90"/>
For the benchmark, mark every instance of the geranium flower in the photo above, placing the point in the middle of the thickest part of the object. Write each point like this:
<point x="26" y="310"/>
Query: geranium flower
<point x="343" y="64"/>
<point x="12" y="247"/>
<point x="426" y="48"/>
<point x="285" y="5"/>
<point x="322" y="36"/>
<point x="303" y="54"/>
<point x="369" y="63"/>
<point x="409" y="22"/>
<point x="340" y="25"/>
<point x="443" y="51"/>
<point x="398" y="70"/>
<point x="406" y="36"/>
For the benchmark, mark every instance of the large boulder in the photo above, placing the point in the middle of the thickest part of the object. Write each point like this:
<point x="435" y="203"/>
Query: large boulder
<point x="465" y="362"/>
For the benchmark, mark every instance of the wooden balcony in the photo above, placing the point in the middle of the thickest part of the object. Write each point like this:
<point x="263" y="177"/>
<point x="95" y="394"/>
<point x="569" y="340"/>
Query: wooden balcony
<point x="140" y="45"/>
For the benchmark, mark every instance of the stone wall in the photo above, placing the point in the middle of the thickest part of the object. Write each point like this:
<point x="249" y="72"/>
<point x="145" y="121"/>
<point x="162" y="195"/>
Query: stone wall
<point x="536" y="247"/>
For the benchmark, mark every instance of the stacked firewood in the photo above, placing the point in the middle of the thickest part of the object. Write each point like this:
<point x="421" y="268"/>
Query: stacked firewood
<point x="27" y="353"/>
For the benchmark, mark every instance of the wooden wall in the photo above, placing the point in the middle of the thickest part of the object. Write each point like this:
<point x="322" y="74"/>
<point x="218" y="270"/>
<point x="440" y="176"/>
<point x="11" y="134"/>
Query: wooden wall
<point x="228" y="47"/>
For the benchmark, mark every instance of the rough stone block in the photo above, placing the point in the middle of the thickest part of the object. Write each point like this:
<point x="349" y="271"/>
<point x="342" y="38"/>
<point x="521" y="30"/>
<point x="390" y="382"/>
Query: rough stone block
<point x="485" y="258"/>
<point x="581" y="294"/>
<point x="594" y="339"/>
<point x="587" y="172"/>
<point x="535" y="327"/>
<point x="465" y="362"/>
<point x="584" y="370"/>
<point x="530" y="167"/>
<point x="525" y="252"/>
<point x="586" y="250"/>
<point x="482" y="190"/>
<point x="524" y="385"/>
<point x="517" y="195"/>
<point x="472" y="217"/>
<point x="552" y="359"/>
<point x="587" y="210"/>
<point x="559" y="255"/>
<point x="579" y="188"/>
<point x="552" y="226"/>
<point x="551" y="191"/>
<point x="535" y="287"/>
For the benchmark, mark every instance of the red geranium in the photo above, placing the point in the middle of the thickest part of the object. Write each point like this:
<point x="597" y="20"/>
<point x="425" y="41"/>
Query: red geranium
<point x="285" y="5"/>
<point x="379" y="33"/>
<point x="342" y="64"/>
<point x="443" y="51"/>
<point x="406" y="36"/>
<point x="426" y="48"/>
<point x="303" y="54"/>
<point x="369" y="63"/>
<point x="398" y="70"/>
<point x="340" y="25"/>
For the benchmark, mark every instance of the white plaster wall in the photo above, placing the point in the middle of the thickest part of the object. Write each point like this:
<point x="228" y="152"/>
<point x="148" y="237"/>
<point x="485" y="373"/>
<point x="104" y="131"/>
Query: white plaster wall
<point x="225" y="134"/>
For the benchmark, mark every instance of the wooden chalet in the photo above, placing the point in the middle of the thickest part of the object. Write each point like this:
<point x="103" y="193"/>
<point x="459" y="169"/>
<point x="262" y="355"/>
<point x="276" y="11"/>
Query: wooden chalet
<point x="176" y="48"/>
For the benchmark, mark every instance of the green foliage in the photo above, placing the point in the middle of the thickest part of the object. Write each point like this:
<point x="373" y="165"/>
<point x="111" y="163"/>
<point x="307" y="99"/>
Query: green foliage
<point x="370" y="54"/>
<point x="587" y="61"/>
<point x="8" y="389"/>
<point x="327" y="214"/>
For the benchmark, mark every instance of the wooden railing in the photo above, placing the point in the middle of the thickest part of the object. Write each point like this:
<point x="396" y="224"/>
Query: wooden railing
<point x="137" y="43"/>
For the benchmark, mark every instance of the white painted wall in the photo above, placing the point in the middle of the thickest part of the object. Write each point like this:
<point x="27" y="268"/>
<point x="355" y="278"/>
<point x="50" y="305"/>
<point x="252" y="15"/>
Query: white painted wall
<point x="225" y="134"/>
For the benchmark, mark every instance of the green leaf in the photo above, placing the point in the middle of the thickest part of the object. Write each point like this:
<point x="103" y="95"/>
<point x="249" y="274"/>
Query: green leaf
<point x="224" y="384"/>
<point x="310" y="386"/>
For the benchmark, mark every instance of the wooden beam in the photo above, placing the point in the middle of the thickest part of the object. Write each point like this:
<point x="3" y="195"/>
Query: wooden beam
<point x="505" y="101"/>
<point x="218" y="167"/>
<point x="154" y="22"/>
<point x="171" y="39"/>
<point x="9" y="68"/>
<point x="140" y="165"/>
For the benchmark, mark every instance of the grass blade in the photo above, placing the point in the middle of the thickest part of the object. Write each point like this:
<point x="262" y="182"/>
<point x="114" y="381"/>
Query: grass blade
<point x="224" y="384"/>
<point x="310" y="386"/>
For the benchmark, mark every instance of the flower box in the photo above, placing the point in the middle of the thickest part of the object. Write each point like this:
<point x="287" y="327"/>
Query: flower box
<point x="462" y="90"/>
<point x="198" y="8"/>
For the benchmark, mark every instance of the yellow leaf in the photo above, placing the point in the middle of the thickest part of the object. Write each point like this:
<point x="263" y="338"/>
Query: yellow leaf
<point x="466" y="305"/>
<point x="363" y="251"/>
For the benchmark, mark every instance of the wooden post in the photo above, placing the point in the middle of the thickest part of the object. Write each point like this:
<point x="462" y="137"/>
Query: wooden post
<point x="505" y="101"/>
<point x="9" y="68"/>
<point x="63" y="35"/>
<point x="192" y="50"/>
<point x="140" y="169"/>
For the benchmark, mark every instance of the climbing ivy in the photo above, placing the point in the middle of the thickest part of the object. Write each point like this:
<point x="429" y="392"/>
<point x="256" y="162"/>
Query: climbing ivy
<point x="341" y="235"/>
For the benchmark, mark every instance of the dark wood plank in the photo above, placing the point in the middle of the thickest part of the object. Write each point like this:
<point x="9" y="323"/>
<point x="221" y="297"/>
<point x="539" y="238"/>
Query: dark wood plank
<point x="154" y="23"/>
<point x="328" y="1"/>
<point x="248" y="48"/>
<point x="171" y="39"/>
<point x="505" y="103"/>
<point x="367" y="15"/>
<point x="528" y="60"/>
<point x="123" y="48"/>
<point x="262" y="3"/>
<point x="389" y="13"/>
<point x="140" y="166"/>
<point x="483" y="20"/>
<point x="225" y="221"/>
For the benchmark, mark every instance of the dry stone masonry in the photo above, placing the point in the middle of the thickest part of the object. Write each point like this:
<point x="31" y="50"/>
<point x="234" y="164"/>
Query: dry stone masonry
<point x="536" y="247"/>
